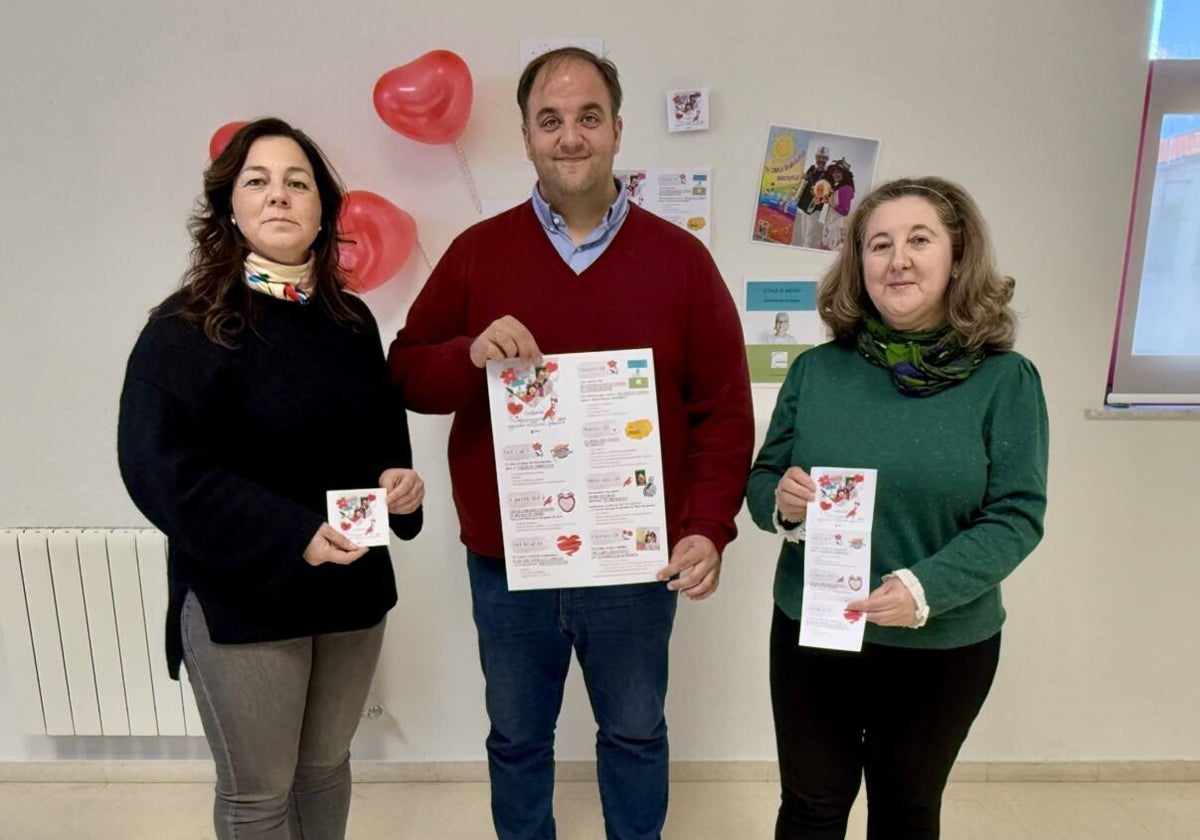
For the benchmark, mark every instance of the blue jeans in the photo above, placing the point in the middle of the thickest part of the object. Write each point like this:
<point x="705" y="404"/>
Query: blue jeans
<point x="620" y="635"/>
<point x="279" y="717"/>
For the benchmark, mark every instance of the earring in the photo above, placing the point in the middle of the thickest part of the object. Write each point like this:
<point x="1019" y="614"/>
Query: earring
<point x="233" y="220"/>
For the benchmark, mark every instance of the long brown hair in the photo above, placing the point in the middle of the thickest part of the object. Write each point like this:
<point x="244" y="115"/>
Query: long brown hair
<point x="978" y="294"/>
<point x="214" y="292"/>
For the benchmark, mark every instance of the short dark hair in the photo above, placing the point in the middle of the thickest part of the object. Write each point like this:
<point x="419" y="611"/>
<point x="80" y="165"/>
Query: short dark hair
<point x="214" y="288"/>
<point x="606" y="69"/>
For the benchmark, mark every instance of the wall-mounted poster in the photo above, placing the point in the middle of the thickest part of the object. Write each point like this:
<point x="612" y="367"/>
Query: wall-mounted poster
<point x="681" y="196"/>
<point x="809" y="183"/>
<point x="779" y="321"/>
<point x="687" y="110"/>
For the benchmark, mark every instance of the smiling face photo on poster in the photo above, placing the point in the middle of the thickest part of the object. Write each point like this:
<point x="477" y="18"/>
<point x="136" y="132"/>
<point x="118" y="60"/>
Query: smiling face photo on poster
<point x="808" y="185"/>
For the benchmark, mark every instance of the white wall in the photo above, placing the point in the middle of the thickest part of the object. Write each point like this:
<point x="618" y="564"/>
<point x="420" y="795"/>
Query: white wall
<point x="1034" y="106"/>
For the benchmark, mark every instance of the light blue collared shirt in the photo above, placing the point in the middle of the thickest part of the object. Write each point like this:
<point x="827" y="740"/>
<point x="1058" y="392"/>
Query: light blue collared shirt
<point x="579" y="257"/>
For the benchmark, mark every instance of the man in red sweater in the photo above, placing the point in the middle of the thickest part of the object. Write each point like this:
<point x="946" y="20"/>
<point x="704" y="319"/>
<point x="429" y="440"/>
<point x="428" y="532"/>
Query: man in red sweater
<point x="578" y="268"/>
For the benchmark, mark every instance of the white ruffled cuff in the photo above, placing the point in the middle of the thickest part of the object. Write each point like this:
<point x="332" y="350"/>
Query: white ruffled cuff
<point x="795" y="534"/>
<point x="913" y="585"/>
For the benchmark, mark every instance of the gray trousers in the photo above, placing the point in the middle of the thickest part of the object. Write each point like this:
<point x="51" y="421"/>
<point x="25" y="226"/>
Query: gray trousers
<point x="279" y="717"/>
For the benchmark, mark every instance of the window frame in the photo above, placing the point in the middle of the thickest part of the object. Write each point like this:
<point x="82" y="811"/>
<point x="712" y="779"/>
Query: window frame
<point x="1172" y="87"/>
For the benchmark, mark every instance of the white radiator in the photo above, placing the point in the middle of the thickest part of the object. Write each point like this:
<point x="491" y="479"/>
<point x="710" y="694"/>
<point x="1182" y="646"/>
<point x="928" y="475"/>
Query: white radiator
<point x="83" y="614"/>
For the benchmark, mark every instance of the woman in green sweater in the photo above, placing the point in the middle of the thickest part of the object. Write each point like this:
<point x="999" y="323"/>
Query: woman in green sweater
<point x="921" y="384"/>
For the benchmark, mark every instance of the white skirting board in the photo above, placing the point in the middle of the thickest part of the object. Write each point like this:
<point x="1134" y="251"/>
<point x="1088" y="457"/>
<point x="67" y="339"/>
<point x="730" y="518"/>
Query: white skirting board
<point x="450" y="772"/>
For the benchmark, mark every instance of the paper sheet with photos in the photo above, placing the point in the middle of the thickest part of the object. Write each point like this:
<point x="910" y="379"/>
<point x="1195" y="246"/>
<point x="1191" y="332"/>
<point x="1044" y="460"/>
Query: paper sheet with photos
<point x="681" y="196"/>
<point x="359" y="515"/>
<point x="579" y="468"/>
<point x="837" y="557"/>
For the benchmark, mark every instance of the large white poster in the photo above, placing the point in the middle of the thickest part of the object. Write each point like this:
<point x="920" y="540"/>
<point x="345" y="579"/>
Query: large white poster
<point x="579" y="467"/>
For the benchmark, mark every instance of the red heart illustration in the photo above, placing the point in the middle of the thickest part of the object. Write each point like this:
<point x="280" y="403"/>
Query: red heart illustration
<point x="428" y="99"/>
<point x="515" y="408"/>
<point x="569" y="544"/>
<point x="826" y="505"/>
<point x="852" y="615"/>
<point x="345" y="526"/>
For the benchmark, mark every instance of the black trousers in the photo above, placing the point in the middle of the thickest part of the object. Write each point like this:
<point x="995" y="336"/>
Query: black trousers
<point x="899" y="715"/>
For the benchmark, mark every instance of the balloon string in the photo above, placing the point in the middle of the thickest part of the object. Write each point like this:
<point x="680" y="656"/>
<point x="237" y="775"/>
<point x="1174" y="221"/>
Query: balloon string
<point x="466" y="171"/>
<point x="428" y="264"/>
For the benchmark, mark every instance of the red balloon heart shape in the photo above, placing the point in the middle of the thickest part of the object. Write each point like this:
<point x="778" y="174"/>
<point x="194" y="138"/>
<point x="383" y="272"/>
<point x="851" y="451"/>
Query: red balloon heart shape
<point x="221" y="138"/>
<point x="375" y="237"/>
<point x="428" y="99"/>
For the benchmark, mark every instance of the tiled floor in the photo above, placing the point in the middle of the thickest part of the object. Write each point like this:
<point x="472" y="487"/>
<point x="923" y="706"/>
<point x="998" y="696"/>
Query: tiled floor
<point x="699" y="811"/>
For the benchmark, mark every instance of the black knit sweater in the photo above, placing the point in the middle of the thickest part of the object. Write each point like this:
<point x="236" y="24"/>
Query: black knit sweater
<point x="230" y="452"/>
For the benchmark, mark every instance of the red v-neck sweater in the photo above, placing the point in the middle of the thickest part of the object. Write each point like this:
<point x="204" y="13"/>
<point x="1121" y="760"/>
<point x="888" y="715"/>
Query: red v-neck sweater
<point x="654" y="286"/>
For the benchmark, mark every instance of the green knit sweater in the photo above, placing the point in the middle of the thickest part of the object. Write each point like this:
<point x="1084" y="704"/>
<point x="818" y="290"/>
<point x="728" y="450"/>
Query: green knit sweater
<point x="962" y="481"/>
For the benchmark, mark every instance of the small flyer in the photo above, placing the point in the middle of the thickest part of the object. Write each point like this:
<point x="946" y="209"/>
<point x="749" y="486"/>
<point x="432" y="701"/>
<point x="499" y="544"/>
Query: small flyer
<point x="779" y="321"/>
<point x="579" y="469"/>
<point x="681" y="196"/>
<point x="687" y="110"/>
<point x="837" y="557"/>
<point x="361" y="515"/>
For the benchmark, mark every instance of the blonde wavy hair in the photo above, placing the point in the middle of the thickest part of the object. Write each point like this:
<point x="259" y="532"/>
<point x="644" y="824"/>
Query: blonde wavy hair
<point x="978" y="295"/>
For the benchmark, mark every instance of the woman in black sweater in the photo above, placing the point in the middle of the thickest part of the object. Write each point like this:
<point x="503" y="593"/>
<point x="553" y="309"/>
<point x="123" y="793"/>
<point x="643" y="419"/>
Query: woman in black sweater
<point x="256" y="388"/>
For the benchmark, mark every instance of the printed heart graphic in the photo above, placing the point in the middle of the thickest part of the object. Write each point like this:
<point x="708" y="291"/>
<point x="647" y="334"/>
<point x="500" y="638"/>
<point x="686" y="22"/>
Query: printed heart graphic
<point x="852" y="615"/>
<point x="428" y="99"/>
<point x="569" y="544"/>
<point x="826" y="505"/>
<point x="345" y="526"/>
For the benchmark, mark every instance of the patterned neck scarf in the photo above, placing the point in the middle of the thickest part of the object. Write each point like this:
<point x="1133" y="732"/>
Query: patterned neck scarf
<point x="286" y="282"/>
<point x="922" y="362"/>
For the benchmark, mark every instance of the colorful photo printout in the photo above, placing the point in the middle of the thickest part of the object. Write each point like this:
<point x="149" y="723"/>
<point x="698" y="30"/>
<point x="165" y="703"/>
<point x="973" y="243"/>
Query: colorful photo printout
<point x="809" y="183"/>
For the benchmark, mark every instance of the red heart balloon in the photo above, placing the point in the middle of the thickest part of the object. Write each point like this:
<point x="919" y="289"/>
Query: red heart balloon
<point x="221" y="138"/>
<point x="375" y="237"/>
<point x="428" y="99"/>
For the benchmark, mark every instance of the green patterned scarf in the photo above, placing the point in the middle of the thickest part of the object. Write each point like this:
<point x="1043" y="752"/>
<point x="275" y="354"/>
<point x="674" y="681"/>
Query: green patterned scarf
<point x="922" y="362"/>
